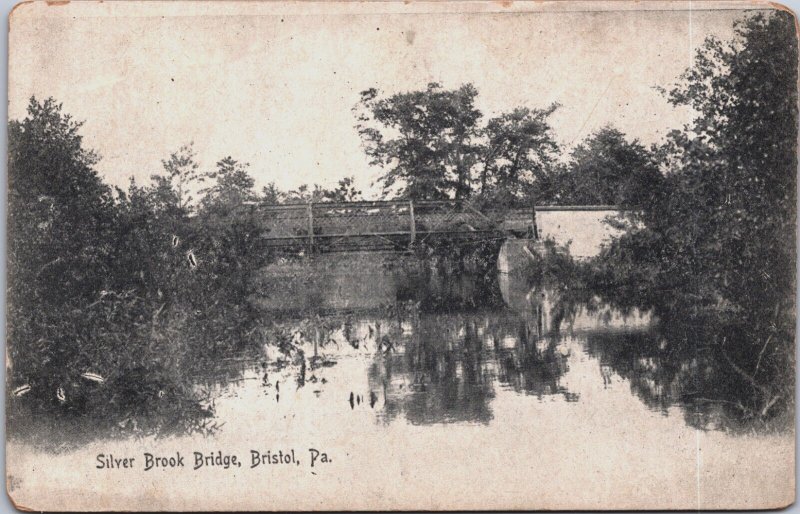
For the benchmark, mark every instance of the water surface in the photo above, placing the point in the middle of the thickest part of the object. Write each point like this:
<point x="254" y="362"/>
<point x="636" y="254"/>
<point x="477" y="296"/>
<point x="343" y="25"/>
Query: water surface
<point x="528" y="404"/>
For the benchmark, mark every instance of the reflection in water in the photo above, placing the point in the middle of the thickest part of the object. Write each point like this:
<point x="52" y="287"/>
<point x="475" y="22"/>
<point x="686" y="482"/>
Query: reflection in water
<point x="652" y="375"/>
<point x="439" y="374"/>
<point x="448" y="368"/>
<point x="664" y="373"/>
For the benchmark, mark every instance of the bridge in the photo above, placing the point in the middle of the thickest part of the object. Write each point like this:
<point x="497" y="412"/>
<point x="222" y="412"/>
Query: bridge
<point x="396" y="225"/>
<point x="358" y="255"/>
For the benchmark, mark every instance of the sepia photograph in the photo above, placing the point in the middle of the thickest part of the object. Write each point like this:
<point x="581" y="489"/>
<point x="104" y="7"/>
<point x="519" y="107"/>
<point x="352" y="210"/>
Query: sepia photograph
<point x="457" y="255"/>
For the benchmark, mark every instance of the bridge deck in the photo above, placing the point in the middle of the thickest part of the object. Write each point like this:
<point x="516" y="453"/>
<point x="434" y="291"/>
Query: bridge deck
<point x="388" y="225"/>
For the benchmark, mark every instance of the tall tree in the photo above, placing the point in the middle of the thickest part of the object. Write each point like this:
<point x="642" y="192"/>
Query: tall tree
<point x="426" y="139"/>
<point x="60" y="212"/>
<point x="61" y="244"/>
<point x="518" y="154"/>
<point x="737" y="162"/>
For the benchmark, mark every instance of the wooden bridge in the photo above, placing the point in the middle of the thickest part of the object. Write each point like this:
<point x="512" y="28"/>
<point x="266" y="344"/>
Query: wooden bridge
<point x="396" y="225"/>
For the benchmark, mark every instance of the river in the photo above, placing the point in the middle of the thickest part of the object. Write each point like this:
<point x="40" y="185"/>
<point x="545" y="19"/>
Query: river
<point x="527" y="405"/>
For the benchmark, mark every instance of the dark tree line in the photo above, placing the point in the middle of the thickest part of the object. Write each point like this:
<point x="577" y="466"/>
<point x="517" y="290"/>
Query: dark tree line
<point x="715" y="239"/>
<point x="137" y="286"/>
<point x="345" y="191"/>
<point x="433" y="145"/>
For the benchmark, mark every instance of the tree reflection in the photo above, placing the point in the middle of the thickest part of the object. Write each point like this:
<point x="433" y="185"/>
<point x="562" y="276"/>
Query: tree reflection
<point x="681" y="369"/>
<point x="448" y="370"/>
<point x="441" y="376"/>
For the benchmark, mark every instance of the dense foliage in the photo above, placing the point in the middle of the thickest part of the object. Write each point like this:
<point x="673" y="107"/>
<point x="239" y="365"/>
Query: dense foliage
<point x="607" y="169"/>
<point x="716" y="239"/>
<point x="133" y="288"/>
<point x="434" y="150"/>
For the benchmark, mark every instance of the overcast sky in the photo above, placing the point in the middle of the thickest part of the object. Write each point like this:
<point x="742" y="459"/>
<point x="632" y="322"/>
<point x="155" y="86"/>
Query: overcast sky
<point x="276" y="89"/>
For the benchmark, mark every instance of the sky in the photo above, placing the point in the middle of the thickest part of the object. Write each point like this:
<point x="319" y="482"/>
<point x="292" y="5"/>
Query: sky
<point x="275" y="85"/>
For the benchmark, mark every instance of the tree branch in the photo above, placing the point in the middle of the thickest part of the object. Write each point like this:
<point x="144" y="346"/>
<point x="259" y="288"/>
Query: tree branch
<point x="741" y="372"/>
<point x="761" y="354"/>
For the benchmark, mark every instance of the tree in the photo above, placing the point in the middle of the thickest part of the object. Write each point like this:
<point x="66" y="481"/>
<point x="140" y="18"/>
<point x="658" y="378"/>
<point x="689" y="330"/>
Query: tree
<point x="61" y="245"/>
<point x="518" y="155"/>
<point x="732" y="172"/>
<point x="434" y="146"/>
<point x="182" y="173"/>
<point x="271" y="194"/>
<point x="232" y="187"/>
<point x="133" y="288"/>
<point x="606" y="169"/>
<point x="60" y="212"/>
<point x="426" y="139"/>
<point x="718" y="237"/>
<point x="345" y="191"/>
<point x="229" y="252"/>
<point x="306" y="194"/>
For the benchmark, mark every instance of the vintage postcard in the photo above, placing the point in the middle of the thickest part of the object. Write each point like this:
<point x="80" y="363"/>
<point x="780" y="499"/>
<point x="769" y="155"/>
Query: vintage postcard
<point x="401" y="255"/>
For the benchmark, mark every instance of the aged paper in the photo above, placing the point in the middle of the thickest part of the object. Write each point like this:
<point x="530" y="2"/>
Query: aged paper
<point x="401" y="255"/>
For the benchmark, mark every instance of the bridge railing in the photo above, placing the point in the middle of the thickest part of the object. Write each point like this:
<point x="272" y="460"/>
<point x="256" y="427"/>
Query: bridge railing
<point x="371" y="225"/>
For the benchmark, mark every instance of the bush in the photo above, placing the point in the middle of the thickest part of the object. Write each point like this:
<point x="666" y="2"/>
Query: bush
<point x="115" y="301"/>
